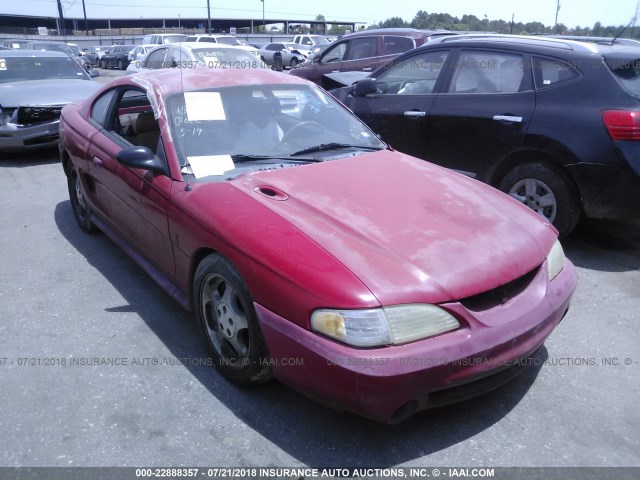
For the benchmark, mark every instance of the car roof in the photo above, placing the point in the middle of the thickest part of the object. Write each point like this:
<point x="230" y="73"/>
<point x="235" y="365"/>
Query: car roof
<point x="198" y="45"/>
<point x="168" y="81"/>
<point x="18" y="52"/>
<point x="404" y="32"/>
<point x="521" y="40"/>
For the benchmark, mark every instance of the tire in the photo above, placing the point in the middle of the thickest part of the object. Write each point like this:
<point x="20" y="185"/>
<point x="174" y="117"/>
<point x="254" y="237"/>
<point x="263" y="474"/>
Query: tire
<point x="120" y="65"/>
<point x="294" y="62"/>
<point x="546" y="190"/>
<point x="81" y="210"/>
<point x="227" y="319"/>
<point x="103" y="64"/>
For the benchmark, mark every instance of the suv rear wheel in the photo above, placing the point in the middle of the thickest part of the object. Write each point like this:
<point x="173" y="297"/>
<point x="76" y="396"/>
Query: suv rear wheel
<point x="547" y="191"/>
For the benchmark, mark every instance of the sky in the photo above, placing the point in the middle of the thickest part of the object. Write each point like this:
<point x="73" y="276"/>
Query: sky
<point x="572" y="12"/>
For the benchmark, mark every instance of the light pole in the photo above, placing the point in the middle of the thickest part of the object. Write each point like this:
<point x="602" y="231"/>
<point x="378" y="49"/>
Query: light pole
<point x="84" y="11"/>
<point x="263" y="26"/>
<point x="208" y="17"/>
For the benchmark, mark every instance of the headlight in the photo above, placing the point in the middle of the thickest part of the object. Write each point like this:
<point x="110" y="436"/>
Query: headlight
<point x="555" y="260"/>
<point x="382" y="326"/>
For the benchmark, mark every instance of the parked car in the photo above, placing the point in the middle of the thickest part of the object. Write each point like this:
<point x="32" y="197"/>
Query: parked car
<point x="315" y="51"/>
<point x="58" y="47"/>
<point x="94" y="54"/>
<point x="310" y="40"/>
<point x="292" y="232"/>
<point x="224" y="40"/>
<point x="117" y="57"/>
<point x="34" y="86"/>
<point x="290" y="52"/>
<point x="364" y="51"/>
<point x="551" y="122"/>
<point x="191" y="54"/>
<point x="161" y="38"/>
<point x="139" y="52"/>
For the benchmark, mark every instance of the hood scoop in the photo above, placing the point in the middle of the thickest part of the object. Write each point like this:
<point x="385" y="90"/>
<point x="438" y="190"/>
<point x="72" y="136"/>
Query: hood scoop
<point x="271" y="192"/>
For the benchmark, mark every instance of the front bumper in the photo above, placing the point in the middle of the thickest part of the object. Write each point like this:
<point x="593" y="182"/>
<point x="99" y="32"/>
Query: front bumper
<point x="17" y="138"/>
<point x="389" y="384"/>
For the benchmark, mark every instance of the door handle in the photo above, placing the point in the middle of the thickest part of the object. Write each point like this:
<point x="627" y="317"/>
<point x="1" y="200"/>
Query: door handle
<point x="366" y="69"/>
<point x="507" y="118"/>
<point x="414" y="113"/>
<point x="97" y="162"/>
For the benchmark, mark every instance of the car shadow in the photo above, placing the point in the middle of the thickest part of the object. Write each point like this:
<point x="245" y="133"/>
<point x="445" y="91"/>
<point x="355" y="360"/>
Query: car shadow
<point x="29" y="159"/>
<point x="292" y="422"/>
<point x="606" y="246"/>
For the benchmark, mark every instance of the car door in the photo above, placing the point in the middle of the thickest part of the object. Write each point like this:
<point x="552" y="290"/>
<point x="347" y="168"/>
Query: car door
<point x="362" y="54"/>
<point x="269" y="52"/>
<point x="482" y="113"/>
<point x="135" y="201"/>
<point x="405" y="94"/>
<point x="329" y="61"/>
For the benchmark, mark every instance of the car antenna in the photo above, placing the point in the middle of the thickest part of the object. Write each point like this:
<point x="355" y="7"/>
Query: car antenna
<point x="633" y="21"/>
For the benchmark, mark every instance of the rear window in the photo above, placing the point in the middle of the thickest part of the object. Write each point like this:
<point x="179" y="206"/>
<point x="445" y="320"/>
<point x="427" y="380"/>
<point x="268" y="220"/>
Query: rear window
<point x="628" y="75"/>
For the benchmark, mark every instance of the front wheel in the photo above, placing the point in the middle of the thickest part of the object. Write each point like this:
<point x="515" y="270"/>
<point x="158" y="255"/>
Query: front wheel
<point x="120" y="65"/>
<point x="547" y="191"/>
<point x="225" y="314"/>
<point x="79" y="205"/>
<point x="294" y="62"/>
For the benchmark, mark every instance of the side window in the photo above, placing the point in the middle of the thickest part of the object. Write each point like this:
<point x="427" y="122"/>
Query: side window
<point x="306" y="41"/>
<point x="552" y="72"/>
<point x="156" y="59"/>
<point x="362" y="48"/>
<point x="334" y="53"/>
<point x="396" y="45"/>
<point x="100" y="107"/>
<point x="173" y="58"/>
<point x="488" y="72"/>
<point x="416" y="75"/>
<point x="133" y="120"/>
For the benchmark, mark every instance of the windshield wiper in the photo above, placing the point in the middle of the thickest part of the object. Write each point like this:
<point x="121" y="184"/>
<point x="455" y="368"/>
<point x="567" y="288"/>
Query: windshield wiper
<point x="242" y="158"/>
<point x="333" y="146"/>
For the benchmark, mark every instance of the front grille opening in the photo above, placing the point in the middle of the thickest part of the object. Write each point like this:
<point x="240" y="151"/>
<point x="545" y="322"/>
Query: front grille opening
<point x="499" y="295"/>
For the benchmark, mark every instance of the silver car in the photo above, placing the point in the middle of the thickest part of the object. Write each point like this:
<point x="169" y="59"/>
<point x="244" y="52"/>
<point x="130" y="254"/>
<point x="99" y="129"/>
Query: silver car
<point x="292" y="53"/>
<point x="195" y="54"/>
<point x="34" y="86"/>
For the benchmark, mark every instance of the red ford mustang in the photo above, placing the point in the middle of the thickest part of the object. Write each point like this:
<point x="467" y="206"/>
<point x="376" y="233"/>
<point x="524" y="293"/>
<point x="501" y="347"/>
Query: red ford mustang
<point x="308" y="250"/>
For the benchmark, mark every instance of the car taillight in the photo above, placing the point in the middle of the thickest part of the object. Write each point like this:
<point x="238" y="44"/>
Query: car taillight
<point x="622" y="124"/>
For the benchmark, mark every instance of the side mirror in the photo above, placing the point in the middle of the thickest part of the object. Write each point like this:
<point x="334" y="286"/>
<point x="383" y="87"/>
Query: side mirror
<point x="365" y="86"/>
<point x="93" y="73"/>
<point x="140" y="157"/>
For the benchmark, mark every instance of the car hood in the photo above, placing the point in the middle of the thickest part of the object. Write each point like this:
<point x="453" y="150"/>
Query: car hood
<point x="46" y="92"/>
<point x="409" y="230"/>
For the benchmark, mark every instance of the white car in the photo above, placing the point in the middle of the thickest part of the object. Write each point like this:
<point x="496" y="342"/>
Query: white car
<point x="195" y="54"/>
<point x="224" y="40"/>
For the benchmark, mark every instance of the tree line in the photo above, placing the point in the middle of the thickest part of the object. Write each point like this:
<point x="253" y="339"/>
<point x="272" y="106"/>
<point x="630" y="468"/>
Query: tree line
<point x="432" y="21"/>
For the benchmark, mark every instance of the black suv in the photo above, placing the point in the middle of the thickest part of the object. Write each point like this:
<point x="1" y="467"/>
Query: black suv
<point x="554" y="123"/>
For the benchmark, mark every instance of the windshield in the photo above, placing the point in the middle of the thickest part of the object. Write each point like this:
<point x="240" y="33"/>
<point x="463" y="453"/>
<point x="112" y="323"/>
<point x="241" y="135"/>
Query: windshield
<point x="39" y="68"/>
<point x="173" y="38"/>
<point x="53" y="47"/>
<point x="228" y="131"/>
<point x="629" y="76"/>
<point x="229" y="40"/>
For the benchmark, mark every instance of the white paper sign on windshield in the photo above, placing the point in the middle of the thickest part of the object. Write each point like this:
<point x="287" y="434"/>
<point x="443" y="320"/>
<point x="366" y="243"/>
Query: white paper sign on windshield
<point x="203" y="106"/>
<point x="207" y="165"/>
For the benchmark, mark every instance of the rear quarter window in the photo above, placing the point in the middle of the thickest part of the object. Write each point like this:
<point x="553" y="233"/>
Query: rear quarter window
<point x="550" y="72"/>
<point x="396" y="45"/>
